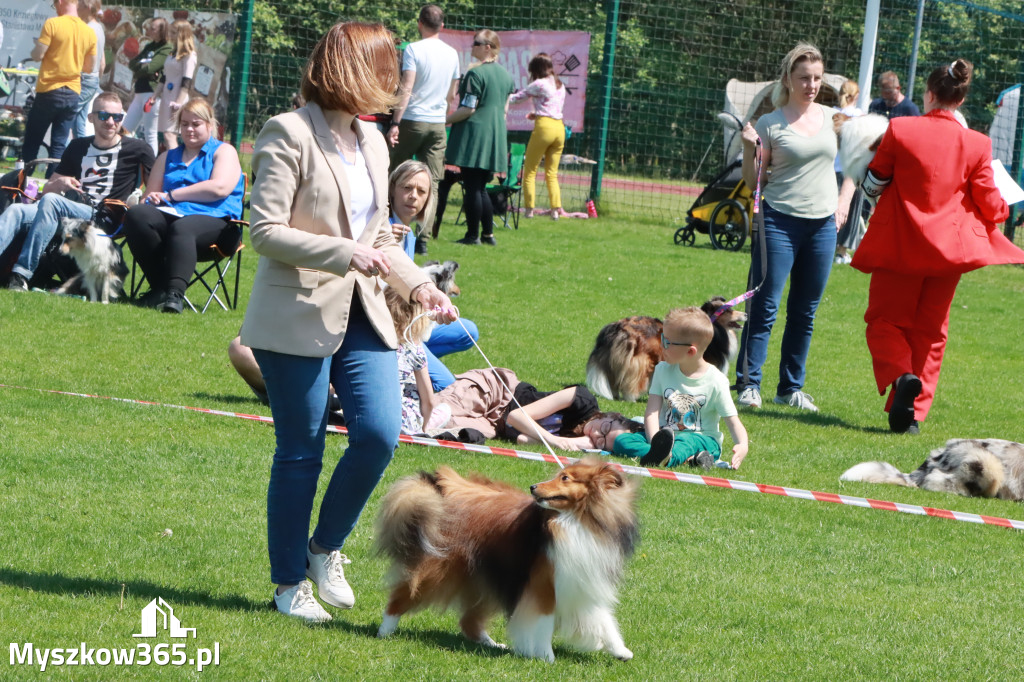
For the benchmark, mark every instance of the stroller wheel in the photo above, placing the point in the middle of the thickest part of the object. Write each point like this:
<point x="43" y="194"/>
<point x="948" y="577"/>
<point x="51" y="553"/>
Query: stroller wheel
<point x="685" y="235"/>
<point x="729" y="225"/>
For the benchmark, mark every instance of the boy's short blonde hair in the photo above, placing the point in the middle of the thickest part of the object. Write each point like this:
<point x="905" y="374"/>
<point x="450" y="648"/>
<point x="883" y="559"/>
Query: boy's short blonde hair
<point x="403" y="313"/>
<point x="693" y="325"/>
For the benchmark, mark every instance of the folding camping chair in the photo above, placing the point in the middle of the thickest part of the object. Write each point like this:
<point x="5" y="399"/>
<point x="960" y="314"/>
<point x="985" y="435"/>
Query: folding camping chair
<point x="508" y="192"/>
<point x="217" y="259"/>
<point x="213" y="264"/>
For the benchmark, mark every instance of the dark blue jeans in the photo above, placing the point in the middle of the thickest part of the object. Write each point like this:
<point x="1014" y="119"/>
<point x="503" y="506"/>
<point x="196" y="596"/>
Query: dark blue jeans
<point x="364" y="372"/>
<point x="54" y="108"/>
<point x="801" y="250"/>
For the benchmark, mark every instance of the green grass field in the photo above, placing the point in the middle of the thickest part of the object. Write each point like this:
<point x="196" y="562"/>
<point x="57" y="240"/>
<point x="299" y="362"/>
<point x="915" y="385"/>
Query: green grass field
<point x="725" y="585"/>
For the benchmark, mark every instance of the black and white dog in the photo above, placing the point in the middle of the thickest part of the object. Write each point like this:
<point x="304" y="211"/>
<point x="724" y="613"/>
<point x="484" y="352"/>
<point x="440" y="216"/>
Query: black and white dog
<point x="99" y="260"/>
<point x="443" y="275"/>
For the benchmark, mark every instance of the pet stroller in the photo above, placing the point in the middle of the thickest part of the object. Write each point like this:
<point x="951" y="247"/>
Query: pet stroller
<point x="722" y="211"/>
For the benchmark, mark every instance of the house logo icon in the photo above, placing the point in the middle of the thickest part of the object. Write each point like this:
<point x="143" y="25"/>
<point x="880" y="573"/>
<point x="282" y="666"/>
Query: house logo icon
<point x="158" y="611"/>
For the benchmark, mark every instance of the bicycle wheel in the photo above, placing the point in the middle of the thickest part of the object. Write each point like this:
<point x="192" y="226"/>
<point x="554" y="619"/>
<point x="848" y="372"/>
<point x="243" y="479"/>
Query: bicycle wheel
<point x="729" y="225"/>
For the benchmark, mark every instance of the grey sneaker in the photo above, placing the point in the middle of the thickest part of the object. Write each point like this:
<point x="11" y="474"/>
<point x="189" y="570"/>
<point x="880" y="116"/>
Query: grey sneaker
<point x="750" y="397"/>
<point x="797" y="399"/>
<point x="327" y="572"/>
<point x="703" y="460"/>
<point x="299" y="602"/>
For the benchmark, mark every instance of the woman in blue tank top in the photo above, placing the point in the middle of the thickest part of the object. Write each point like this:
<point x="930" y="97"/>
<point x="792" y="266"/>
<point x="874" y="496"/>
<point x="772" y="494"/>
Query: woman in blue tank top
<point x="193" y="194"/>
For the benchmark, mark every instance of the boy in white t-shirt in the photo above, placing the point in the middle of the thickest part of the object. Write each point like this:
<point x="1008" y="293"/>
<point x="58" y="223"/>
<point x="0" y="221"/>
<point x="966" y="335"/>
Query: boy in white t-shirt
<point x="688" y="398"/>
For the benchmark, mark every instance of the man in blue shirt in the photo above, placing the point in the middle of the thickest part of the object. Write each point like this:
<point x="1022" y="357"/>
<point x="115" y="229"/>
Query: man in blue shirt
<point x="893" y="103"/>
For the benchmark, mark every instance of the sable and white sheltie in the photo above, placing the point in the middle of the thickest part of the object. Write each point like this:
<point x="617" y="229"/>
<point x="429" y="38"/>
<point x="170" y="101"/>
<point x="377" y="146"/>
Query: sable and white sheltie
<point x="626" y="351"/>
<point x="551" y="561"/>
<point x="99" y="260"/>
<point x="970" y="467"/>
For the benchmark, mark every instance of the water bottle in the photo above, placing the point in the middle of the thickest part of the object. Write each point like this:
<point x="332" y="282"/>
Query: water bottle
<point x="591" y="209"/>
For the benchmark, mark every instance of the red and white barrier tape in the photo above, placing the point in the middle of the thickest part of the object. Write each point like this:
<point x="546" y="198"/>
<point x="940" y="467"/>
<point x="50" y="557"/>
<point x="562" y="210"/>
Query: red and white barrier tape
<point x="710" y="481"/>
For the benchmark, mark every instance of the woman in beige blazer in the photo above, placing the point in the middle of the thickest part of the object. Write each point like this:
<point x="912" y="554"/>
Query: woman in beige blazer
<point x="317" y="313"/>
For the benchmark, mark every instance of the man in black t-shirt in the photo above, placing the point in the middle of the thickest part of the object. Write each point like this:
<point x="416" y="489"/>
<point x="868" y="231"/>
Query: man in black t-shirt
<point x="104" y="166"/>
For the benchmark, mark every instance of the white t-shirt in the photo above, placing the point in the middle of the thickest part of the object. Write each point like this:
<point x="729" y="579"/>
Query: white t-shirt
<point x="360" y="188"/>
<point x="101" y="41"/>
<point x="692" y="404"/>
<point x="436" y="65"/>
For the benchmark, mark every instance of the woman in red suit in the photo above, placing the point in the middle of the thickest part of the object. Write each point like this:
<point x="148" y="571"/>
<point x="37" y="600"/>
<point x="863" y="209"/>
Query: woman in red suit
<point x="936" y="220"/>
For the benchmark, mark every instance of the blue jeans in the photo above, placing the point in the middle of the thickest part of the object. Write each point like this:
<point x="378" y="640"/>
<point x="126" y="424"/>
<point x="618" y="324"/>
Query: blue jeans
<point x="364" y="372"/>
<point x="90" y="86"/>
<point x="445" y="339"/>
<point x="53" y="109"/>
<point x="801" y="250"/>
<point x="39" y="222"/>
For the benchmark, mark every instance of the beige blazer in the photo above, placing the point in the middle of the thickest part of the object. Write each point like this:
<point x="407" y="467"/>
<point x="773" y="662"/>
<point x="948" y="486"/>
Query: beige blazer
<point x="303" y="288"/>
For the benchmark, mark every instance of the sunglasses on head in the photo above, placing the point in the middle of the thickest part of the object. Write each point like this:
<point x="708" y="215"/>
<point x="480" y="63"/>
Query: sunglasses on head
<point x="477" y="43"/>
<point x="665" y="343"/>
<point x="106" y="116"/>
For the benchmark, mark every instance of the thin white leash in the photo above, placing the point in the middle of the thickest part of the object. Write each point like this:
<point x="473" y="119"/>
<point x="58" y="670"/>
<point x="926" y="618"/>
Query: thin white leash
<point x="533" y="422"/>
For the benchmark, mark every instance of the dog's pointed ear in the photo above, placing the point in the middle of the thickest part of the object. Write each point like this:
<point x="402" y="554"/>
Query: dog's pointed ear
<point x="609" y="477"/>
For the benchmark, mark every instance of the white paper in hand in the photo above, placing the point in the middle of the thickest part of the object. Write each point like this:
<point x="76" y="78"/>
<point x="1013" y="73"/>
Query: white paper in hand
<point x="1010" y="190"/>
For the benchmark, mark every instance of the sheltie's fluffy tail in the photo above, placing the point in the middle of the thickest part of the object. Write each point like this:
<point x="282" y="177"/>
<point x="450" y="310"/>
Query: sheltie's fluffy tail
<point x="877" y="472"/>
<point x="409" y="521"/>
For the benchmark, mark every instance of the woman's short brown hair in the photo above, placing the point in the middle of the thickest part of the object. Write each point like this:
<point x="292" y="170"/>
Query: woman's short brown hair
<point x="353" y="68"/>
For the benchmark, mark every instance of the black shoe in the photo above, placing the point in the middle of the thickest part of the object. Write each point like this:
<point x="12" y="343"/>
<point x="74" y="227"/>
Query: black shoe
<point x="661" y="448"/>
<point x="915" y="428"/>
<point x="17" y="282"/>
<point x="489" y="239"/>
<point x="173" y="303"/>
<point x="468" y="240"/>
<point x="702" y="459"/>
<point x="153" y="298"/>
<point x="901" y="412"/>
<point x="421" y="246"/>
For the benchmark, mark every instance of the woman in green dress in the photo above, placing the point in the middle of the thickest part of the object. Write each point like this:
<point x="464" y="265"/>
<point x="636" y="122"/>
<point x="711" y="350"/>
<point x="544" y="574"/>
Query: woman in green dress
<point x="478" y="143"/>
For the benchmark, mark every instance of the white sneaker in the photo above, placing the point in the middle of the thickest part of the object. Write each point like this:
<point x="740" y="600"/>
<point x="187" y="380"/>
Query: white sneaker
<point x="298" y="602"/>
<point x="797" y="399"/>
<point x="750" y="397"/>
<point x="327" y="572"/>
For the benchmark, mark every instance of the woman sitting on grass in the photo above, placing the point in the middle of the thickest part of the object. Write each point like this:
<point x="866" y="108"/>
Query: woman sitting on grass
<point x="482" y="399"/>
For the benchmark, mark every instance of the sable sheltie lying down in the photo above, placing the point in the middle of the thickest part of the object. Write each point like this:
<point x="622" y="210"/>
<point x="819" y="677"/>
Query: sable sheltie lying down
<point x="102" y="268"/>
<point x="626" y="351"/>
<point x="551" y="560"/>
<point x="968" y="467"/>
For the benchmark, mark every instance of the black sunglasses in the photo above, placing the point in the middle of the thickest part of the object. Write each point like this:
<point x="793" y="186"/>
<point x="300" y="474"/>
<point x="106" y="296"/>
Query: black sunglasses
<point x="665" y="343"/>
<point x="477" y="43"/>
<point x="106" y="116"/>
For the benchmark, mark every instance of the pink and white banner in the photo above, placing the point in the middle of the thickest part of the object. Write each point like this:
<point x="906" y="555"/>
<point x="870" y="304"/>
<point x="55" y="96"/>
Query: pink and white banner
<point x="569" y="50"/>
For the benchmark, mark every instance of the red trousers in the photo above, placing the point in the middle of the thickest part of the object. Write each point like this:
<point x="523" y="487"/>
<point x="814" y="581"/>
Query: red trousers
<point x="907" y="318"/>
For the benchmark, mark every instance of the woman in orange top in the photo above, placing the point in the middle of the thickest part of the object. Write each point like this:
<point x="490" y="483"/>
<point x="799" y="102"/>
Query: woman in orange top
<point x="936" y="220"/>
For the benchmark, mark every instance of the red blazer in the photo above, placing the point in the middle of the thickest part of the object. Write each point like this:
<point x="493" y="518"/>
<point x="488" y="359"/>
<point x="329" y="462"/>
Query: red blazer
<point x="938" y="216"/>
